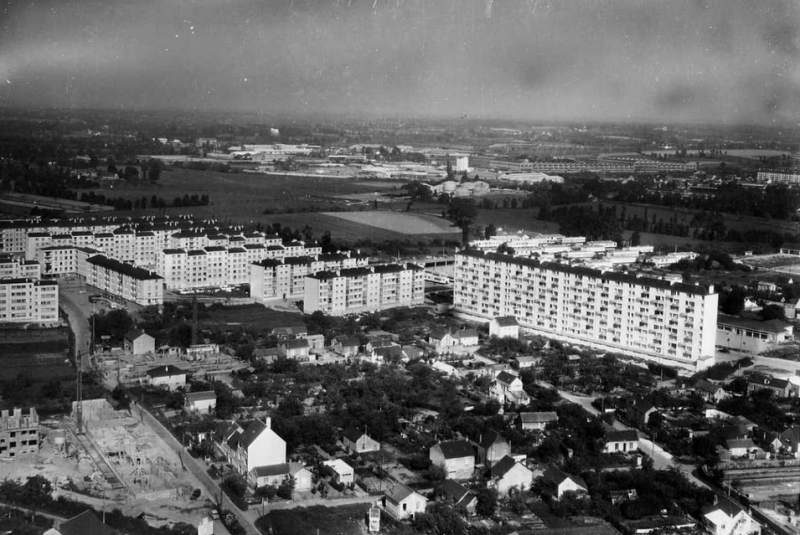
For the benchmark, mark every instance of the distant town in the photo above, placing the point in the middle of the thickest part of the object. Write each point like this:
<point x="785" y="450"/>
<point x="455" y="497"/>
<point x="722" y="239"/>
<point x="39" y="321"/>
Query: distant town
<point x="247" y="326"/>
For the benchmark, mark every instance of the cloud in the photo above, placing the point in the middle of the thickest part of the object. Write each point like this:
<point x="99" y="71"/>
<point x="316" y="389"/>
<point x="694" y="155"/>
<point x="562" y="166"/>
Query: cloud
<point x="714" y="60"/>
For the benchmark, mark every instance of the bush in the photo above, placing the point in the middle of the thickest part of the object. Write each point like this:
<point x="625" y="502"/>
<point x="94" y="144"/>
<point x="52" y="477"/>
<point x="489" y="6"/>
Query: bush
<point x="235" y="488"/>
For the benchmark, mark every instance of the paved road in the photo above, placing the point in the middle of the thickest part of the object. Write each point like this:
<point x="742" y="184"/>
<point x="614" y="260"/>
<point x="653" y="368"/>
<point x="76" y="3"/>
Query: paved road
<point x="662" y="460"/>
<point x="78" y="309"/>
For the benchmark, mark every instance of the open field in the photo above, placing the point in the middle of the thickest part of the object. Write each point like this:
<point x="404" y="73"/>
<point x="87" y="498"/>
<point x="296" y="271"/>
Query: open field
<point x="255" y="315"/>
<point x="318" y="520"/>
<point x="404" y="222"/>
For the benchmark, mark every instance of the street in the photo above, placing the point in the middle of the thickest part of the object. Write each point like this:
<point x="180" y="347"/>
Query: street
<point x="78" y="309"/>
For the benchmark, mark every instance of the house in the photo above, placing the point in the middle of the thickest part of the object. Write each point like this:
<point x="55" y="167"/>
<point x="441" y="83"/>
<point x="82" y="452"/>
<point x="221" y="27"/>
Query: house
<point x="201" y="402"/>
<point x="316" y="343"/>
<point x="440" y="339"/>
<point x="411" y="353"/>
<point x="403" y="502"/>
<point x="507" y="388"/>
<point x="527" y="362"/>
<point x="457" y="495"/>
<point x="535" y="421"/>
<point x="466" y="337"/>
<point x="291" y="331"/>
<point x="456" y="458"/>
<point x="346" y="347"/>
<point x="296" y="349"/>
<point x="639" y="413"/>
<point x="343" y="473"/>
<point x="386" y="354"/>
<point x="779" y="387"/>
<point x="740" y="447"/>
<point x="622" y="441"/>
<point x="492" y="447"/>
<point x="564" y="482"/>
<point x="379" y="343"/>
<point x="746" y="335"/>
<point x="257" y="445"/>
<point x="766" y="286"/>
<point x="359" y="441"/>
<point x="275" y="474"/>
<point x="710" y="392"/>
<point x="167" y="376"/>
<point x="508" y="474"/>
<point x="791" y="439"/>
<point x="138" y="342"/>
<point x="726" y="518"/>
<point x="504" y="327"/>
<point x="82" y="524"/>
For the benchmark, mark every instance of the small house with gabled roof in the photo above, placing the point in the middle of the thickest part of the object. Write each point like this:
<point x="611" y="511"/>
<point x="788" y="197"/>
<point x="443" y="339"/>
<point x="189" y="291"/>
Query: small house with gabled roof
<point x="256" y="445"/>
<point x="535" y="421"/>
<point x="403" y="502"/>
<point x="624" y="441"/>
<point x="504" y="327"/>
<point x="138" y="342"/>
<point x="455" y="494"/>
<point x="564" y="482"/>
<point x="167" y="376"/>
<point x="492" y="447"/>
<point x="356" y="441"/>
<point x="508" y="474"/>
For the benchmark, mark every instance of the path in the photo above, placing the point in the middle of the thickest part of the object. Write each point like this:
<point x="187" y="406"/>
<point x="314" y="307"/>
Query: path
<point x="78" y="308"/>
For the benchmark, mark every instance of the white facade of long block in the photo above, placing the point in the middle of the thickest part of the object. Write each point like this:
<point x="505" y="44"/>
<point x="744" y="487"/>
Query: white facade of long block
<point x="138" y="285"/>
<point x="657" y="320"/>
<point x="28" y="301"/>
<point x="363" y="289"/>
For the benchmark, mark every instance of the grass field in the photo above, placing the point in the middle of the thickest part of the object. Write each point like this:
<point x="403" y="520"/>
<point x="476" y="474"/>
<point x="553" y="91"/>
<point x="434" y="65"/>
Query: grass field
<point x="252" y="315"/>
<point x="318" y="520"/>
<point x="404" y="222"/>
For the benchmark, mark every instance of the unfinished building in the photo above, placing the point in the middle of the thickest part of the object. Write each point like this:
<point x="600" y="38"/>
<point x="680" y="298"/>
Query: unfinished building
<point x="19" y="435"/>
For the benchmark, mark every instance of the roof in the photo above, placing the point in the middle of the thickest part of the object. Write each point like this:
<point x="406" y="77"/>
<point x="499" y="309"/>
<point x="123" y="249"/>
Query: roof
<point x="165" y="371"/>
<point x="83" y="524"/>
<point x="352" y="434"/>
<point x="506" y="321"/>
<point x="538" y="417"/>
<point x="339" y="466"/>
<point x="400" y="493"/>
<point x="207" y="395"/>
<point x="125" y="269"/>
<point x="272" y="470"/>
<point x="298" y="343"/>
<point x="348" y="342"/>
<point x="643" y="406"/>
<point x="501" y="467"/>
<point x="252" y="433"/>
<point x="456" y="492"/>
<point x="724" y="505"/>
<point x="707" y="386"/>
<point x="628" y="435"/>
<point x="133" y="334"/>
<point x="466" y="333"/>
<point x="555" y="475"/>
<point x="740" y="443"/>
<point x="775" y="326"/>
<point x="505" y="377"/>
<point x="766" y="380"/>
<point x="489" y="438"/>
<point x="456" y="449"/>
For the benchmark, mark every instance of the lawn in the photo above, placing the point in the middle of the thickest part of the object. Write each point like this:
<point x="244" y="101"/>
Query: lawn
<point x="317" y="520"/>
<point x="404" y="222"/>
<point x="256" y="315"/>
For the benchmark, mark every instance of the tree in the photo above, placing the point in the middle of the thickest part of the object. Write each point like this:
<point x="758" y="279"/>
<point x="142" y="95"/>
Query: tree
<point x="462" y="212"/>
<point x="773" y="312"/>
<point x="286" y="488"/>
<point x="487" y="501"/>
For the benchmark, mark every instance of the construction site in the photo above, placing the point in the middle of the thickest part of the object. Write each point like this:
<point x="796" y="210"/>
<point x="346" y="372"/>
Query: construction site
<point x="112" y="459"/>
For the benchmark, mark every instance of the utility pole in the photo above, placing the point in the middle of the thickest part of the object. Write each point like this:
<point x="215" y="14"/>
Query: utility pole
<point x="194" y="319"/>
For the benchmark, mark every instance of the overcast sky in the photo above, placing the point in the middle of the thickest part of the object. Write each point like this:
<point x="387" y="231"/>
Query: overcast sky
<point x="728" y="61"/>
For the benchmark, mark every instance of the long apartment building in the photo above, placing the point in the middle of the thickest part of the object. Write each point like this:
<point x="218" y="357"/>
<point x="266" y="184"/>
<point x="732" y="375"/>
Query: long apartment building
<point x="364" y="289"/>
<point x="276" y="279"/>
<point x="27" y="300"/>
<point x="119" y="279"/>
<point x="669" y="322"/>
<point x="12" y="267"/>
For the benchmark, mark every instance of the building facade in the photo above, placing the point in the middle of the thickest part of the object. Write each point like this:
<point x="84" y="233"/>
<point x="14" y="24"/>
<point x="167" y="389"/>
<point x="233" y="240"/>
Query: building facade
<point x="28" y="301"/>
<point x="19" y="435"/>
<point x="134" y="284"/>
<point x="657" y="320"/>
<point x="364" y="289"/>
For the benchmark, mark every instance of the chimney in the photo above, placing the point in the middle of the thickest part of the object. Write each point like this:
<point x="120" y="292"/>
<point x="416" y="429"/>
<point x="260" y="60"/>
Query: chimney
<point x="268" y="422"/>
<point x="17" y="413"/>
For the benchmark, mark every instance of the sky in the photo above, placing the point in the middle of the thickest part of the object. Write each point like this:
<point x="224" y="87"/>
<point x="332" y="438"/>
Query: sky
<point x="712" y="61"/>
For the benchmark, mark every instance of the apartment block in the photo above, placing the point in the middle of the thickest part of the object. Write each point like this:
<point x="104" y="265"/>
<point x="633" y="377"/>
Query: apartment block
<point x="19" y="435"/>
<point x="285" y="278"/>
<point x="364" y="289"/>
<point x="13" y="267"/>
<point x="658" y="320"/>
<point x="28" y="301"/>
<point x="134" y="284"/>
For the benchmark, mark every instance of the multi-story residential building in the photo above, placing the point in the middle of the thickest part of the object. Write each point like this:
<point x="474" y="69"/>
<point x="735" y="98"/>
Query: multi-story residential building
<point x="779" y="177"/>
<point x="12" y="267"/>
<point x="19" y="435"/>
<point x="134" y="284"/>
<point x="172" y="266"/>
<point x="57" y="260"/>
<point x="28" y="301"/>
<point x="363" y="289"/>
<point x="654" y="319"/>
<point x="285" y="278"/>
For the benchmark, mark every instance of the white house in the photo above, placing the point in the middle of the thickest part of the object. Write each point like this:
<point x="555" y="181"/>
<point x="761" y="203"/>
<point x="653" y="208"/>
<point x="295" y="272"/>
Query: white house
<point x="359" y="441"/>
<point x="508" y="474"/>
<point x="275" y="474"/>
<point x="504" y="327"/>
<point x="138" y="342"/>
<point x="201" y="402"/>
<point x="258" y="445"/>
<point x="342" y="472"/>
<point x="726" y="518"/>
<point x="167" y="376"/>
<point x="622" y="441"/>
<point x="458" y="495"/>
<point x="564" y="482"/>
<point x="535" y="421"/>
<point x="507" y="387"/>
<point x="456" y="458"/>
<point x="403" y="502"/>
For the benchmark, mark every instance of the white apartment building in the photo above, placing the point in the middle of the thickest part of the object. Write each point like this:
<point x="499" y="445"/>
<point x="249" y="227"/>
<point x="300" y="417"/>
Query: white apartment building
<point x="57" y="260"/>
<point x="28" y="301"/>
<point x="364" y="289"/>
<point x="285" y="278"/>
<point x="134" y="284"/>
<point x="12" y="267"/>
<point x="654" y="319"/>
<point x="779" y="177"/>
